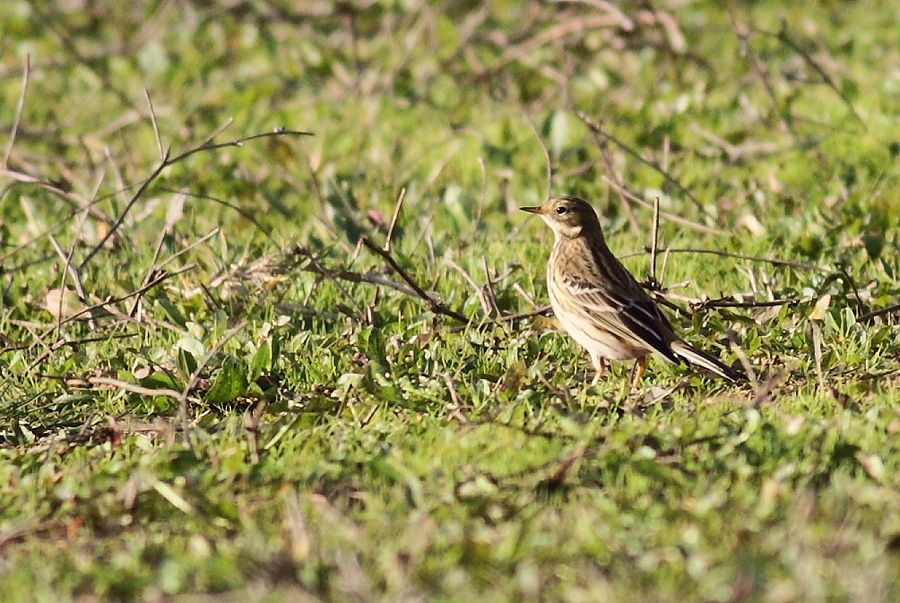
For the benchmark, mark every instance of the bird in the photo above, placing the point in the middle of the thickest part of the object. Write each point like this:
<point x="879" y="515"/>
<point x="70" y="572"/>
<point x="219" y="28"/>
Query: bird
<point x="600" y="304"/>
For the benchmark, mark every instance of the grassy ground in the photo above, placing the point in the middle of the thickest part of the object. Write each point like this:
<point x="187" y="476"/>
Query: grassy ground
<point x="261" y="408"/>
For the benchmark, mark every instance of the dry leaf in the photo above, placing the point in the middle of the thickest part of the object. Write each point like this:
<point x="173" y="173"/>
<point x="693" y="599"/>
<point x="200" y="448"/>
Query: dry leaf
<point x="751" y="223"/>
<point x="873" y="465"/>
<point x="821" y="308"/>
<point x="62" y="302"/>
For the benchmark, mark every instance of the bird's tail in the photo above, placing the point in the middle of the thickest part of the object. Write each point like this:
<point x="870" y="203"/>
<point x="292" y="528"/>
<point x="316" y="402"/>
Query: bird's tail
<point x="701" y="358"/>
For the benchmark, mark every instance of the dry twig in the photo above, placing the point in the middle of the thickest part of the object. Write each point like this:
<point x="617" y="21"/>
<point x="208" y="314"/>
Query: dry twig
<point x="169" y="161"/>
<point x="436" y="305"/>
<point x="783" y="37"/>
<point x="597" y="128"/>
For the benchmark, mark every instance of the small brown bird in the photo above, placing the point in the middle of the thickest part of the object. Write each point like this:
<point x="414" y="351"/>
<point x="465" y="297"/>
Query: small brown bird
<point x="600" y="304"/>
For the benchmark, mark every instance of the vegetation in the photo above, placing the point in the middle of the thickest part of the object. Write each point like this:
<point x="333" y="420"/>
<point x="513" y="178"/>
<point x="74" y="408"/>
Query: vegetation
<point x="321" y="367"/>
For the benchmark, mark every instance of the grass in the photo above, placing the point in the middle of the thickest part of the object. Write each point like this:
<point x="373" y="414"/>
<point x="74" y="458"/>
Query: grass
<point x="244" y="421"/>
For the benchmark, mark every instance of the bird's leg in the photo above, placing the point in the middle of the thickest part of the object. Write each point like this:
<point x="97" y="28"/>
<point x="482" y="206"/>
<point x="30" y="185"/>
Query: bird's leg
<point x="599" y="363"/>
<point x="639" y="365"/>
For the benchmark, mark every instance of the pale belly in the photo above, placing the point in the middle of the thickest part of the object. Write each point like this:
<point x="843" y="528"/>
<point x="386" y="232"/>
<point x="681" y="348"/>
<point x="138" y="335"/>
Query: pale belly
<point x="597" y="343"/>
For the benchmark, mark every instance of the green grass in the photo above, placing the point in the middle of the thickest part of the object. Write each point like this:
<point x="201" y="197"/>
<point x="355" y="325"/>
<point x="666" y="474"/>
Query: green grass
<point x="347" y="443"/>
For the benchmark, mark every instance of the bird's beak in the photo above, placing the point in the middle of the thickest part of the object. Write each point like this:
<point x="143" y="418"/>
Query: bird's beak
<point x="533" y="210"/>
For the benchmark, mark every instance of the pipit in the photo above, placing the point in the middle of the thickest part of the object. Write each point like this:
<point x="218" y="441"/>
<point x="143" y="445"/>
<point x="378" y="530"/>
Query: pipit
<point x="600" y="304"/>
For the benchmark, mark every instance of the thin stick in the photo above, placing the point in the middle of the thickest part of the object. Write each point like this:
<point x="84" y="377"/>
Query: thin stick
<point x="732" y="303"/>
<point x="134" y="388"/>
<point x="210" y="146"/>
<point x="541" y="311"/>
<point x="181" y="252"/>
<point x="665" y="264"/>
<point x="70" y="198"/>
<point x="482" y="295"/>
<point x="745" y="362"/>
<point x="489" y="287"/>
<point x="738" y="256"/>
<point x="783" y="37"/>
<point x="59" y="305"/>
<point x="252" y="419"/>
<point x="394" y="216"/>
<point x="549" y="164"/>
<point x="876" y="313"/>
<point x="162" y="154"/>
<point x="371" y="278"/>
<point x="76" y="278"/>
<point x="167" y="228"/>
<point x="218" y="131"/>
<point x="619" y="185"/>
<point x="655" y="240"/>
<point x="436" y="306"/>
<point x="26" y="72"/>
<point x="595" y="127"/>
<point x="670" y="217"/>
<point x="128" y="296"/>
<point x="243" y="213"/>
<point x="817" y="352"/>
<point x="118" y="222"/>
<point x="168" y="161"/>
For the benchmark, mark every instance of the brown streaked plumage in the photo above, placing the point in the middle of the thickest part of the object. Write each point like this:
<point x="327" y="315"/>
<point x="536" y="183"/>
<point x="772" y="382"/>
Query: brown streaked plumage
<point x="600" y="304"/>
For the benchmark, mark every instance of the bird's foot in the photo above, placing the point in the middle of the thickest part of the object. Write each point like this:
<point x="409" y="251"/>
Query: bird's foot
<point x="639" y="366"/>
<point x="599" y="370"/>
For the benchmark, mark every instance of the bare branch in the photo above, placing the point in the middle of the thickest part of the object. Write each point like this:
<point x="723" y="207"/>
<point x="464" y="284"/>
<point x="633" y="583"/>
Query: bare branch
<point x="134" y="388"/>
<point x="67" y="196"/>
<point x="541" y="311"/>
<point x="394" y="216"/>
<point x="784" y="38"/>
<point x="163" y="277"/>
<point x="76" y="278"/>
<point x="436" y="305"/>
<point x="894" y="309"/>
<point x="371" y="278"/>
<point x="168" y="161"/>
<point x="619" y="185"/>
<point x="480" y="291"/>
<point x="162" y="154"/>
<point x="595" y="127"/>
<point x="738" y="256"/>
<point x="655" y="240"/>
<point x="243" y="213"/>
<point x="670" y="217"/>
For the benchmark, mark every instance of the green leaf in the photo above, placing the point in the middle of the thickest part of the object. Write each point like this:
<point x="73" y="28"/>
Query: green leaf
<point x="160" y="380"/>
<point x="276" y="351"/>
<point x="262" y="360"/>
<point x="187" y="364"/>
<point x="191" y="345"/>
<point x="171" y="311"/>
<point x="230" y="382"/>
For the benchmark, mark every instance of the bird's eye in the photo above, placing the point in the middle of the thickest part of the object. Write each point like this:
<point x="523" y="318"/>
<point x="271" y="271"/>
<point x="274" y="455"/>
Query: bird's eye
<point x="561" y="209"/>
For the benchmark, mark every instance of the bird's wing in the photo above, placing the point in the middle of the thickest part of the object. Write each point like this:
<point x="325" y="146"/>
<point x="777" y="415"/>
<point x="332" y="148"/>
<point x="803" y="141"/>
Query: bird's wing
<point x="626" y="311"/>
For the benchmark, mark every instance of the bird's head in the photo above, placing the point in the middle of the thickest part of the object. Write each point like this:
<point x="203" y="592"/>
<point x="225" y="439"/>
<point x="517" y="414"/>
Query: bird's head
<point x="567" y="216"/>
